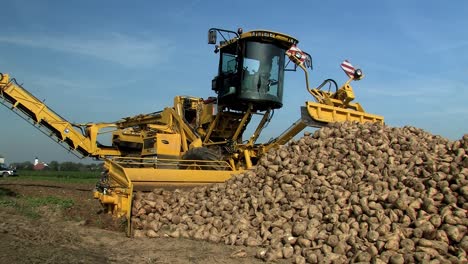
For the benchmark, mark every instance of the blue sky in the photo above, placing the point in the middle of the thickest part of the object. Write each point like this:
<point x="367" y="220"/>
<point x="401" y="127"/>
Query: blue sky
<point x="98" y="61"/>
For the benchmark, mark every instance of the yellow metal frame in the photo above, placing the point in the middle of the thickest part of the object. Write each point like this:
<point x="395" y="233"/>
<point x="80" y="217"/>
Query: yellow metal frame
<point x="336" y="107"/>
<point x="117" y="199"/>
<point x="174" y="135"/>
<point x="42" y="117"/>
<point x="327" y="114"/>
<point x="126" y="173"/>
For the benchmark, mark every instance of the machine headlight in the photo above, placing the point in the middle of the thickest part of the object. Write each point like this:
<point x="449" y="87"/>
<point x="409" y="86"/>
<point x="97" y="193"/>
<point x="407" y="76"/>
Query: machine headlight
<point x="358" y="74"/>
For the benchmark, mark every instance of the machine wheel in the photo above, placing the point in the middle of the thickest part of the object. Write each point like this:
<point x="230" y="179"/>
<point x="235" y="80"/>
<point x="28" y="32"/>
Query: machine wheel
<point x="201" y="153"/>
<point x="5" y="174"/>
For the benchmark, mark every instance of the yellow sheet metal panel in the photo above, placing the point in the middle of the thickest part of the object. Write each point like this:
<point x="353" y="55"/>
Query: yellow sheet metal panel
<point x="329" y="114"/>
<point x="150" y="175"/>
<point x="117" y="174"/>
<point x="128" y="135"/>
<point x="168" y="144"/>
<point x="126" y="170"/>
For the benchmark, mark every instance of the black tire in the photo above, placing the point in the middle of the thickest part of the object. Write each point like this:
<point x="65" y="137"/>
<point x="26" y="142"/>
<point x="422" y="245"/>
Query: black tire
<point x="5" y="174"/>
<point x="204" y="154"/>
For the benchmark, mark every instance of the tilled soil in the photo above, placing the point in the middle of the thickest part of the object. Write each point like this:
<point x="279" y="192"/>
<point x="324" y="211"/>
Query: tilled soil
<point x="81" y="234"/>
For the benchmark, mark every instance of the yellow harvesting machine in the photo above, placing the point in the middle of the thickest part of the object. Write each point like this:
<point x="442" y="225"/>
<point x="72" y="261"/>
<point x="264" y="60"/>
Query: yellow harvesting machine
<point x="196" y="140"/>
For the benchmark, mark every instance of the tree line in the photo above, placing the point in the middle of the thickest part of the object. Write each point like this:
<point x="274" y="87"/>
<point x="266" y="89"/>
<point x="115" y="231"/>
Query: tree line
<point x="60" y="166"/>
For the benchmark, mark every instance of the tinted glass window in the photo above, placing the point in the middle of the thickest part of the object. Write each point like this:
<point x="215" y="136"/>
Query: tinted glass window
<point x="262" y="68"/>
<point x="229" y="63"/>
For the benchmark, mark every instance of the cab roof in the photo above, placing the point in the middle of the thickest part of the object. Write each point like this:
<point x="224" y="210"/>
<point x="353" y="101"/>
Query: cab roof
<point x="262" y="35"/>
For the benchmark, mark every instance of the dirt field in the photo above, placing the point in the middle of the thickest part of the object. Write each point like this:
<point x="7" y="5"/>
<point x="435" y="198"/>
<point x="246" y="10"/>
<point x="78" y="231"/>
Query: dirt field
<point x="69" y="229"/>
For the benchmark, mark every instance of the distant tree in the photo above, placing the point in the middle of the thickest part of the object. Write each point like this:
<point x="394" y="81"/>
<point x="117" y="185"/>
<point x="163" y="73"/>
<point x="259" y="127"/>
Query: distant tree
<point x="54" y="165"/>
<point x="27" y="165"/>
<point x="69" y="166"/>
<point x="94" y="166"/>
<point x="61" y="166"/>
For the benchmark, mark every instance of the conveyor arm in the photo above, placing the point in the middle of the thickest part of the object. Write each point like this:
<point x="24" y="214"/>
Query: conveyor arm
<point x="80" y="139"/>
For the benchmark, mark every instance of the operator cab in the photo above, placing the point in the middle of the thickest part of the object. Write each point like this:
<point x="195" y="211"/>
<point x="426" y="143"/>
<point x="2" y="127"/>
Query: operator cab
<point x="251" y="69"/>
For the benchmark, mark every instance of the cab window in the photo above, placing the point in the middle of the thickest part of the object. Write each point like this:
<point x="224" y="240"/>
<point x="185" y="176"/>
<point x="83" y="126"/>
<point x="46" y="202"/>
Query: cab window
<point x="229" y="63"/>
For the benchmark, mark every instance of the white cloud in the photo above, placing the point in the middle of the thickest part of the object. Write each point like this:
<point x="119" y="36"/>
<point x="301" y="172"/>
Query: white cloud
<point x="395" y="92"/>
<point x="186" y="8"/>
<point x="417" y="90"/>
<point x="118" y="48"/>
<point x="431" y="34"/>
<point x="458" y="111"/>
<point x="449" y="47"/>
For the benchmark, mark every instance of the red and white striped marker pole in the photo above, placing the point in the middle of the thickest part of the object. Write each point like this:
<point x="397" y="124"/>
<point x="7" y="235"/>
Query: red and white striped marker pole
<point x="348" y="68"/>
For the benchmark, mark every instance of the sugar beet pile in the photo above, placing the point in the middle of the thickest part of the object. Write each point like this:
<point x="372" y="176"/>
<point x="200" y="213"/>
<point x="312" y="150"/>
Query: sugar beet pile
<point x="346" y="193"/>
